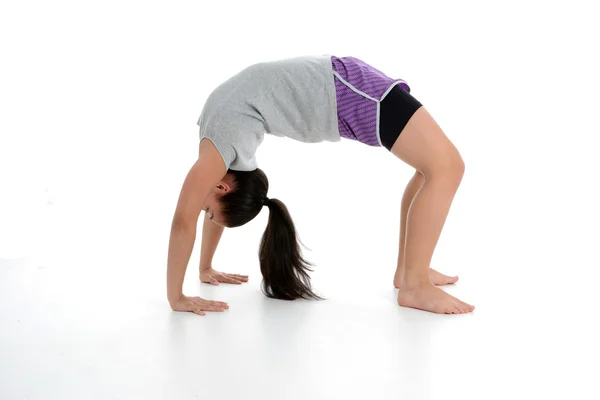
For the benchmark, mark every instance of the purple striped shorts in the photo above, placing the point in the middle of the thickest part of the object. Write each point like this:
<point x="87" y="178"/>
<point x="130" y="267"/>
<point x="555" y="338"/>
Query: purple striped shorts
<point x="359" y="90"/>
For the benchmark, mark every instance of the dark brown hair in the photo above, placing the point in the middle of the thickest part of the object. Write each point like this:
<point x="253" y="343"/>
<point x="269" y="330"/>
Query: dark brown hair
<point x="284" y="269"/>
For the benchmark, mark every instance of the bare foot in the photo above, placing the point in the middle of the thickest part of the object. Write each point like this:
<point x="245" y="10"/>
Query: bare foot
<point x="440" y="279"/>
<point x="436" y="277"/>
<point x="431" y="298"/>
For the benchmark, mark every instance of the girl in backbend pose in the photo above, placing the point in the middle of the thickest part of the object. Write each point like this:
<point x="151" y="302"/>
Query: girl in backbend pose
<point x="311" y="99"/>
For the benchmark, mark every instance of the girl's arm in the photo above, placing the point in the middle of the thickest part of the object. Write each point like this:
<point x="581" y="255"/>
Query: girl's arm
<point x="211" y="234"/>
<point x="208" y="170"/>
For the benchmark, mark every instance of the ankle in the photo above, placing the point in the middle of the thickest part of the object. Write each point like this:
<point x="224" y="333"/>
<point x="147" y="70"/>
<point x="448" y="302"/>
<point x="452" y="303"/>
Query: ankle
<point x="414" y="281"/>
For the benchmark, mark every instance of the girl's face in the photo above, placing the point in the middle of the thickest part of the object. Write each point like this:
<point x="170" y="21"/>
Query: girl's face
<point x="213" y="210"/>
<point x="212" y="206"/>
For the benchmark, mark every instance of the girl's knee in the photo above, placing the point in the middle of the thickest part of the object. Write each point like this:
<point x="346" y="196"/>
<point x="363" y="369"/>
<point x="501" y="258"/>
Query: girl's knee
<point x="459" y="167"/>
<point x="449" y="168"/>
<point x="454" y="165"/>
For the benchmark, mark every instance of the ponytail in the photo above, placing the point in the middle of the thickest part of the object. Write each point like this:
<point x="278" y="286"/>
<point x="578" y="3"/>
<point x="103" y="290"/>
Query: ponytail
<point x="284" y="270"/>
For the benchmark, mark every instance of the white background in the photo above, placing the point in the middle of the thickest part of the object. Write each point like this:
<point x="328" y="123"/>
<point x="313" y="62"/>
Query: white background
<point x="98" y="110"/>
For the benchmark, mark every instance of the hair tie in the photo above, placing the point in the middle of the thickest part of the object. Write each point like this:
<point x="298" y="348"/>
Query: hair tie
<point x="266" y="201"/>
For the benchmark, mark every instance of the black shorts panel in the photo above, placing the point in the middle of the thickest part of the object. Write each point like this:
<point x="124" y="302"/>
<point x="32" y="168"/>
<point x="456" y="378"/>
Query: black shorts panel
<point x="395" y="111"/>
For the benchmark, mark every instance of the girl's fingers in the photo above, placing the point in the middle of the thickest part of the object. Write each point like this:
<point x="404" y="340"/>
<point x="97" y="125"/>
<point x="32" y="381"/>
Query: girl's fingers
<point x="215" y="303"/>
<point x="227" y="279"/>
<point x="207" y="303"/>
<point x="212" y="308"/>
<point x="199" y="306"/>
<point x="207" y="307"/>
<point x="237" y="276"/>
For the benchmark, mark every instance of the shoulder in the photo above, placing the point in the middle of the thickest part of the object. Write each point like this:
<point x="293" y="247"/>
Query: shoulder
<point x="211" y="156"/>
<point x="207" y="171"/>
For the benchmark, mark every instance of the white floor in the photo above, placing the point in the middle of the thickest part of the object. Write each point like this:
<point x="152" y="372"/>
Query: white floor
<point x="85" y="316"/>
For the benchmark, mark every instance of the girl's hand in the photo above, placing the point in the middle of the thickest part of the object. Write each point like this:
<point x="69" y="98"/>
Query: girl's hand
<point x="213" y="277"/>
<point x="198" y="305"/>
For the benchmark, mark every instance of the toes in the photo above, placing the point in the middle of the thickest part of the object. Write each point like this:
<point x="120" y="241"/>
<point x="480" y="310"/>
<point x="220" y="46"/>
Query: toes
<point x="467" y="308"/>
<point x="451" y="308"/>
<point x="448" y="280"/>
<point x="460" y="306"/>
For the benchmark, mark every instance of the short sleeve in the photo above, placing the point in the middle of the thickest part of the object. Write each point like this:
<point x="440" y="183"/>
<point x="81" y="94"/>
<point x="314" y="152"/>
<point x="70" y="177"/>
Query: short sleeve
<point x="225" y="149"/>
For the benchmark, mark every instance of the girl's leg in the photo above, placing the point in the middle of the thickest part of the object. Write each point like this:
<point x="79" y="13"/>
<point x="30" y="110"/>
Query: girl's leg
<point x="423" y="145"/>
<point x="409" y="193"/>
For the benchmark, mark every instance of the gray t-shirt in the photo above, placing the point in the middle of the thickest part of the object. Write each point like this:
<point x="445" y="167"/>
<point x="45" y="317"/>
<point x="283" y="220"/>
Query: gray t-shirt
<point x="293" y="97"/>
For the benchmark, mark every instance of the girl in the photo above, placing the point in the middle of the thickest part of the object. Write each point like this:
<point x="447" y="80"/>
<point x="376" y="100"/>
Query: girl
<point x="311" y="99"/>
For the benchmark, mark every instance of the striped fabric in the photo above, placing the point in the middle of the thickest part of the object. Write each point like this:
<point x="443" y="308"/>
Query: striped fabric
<point x="359" y="89"/>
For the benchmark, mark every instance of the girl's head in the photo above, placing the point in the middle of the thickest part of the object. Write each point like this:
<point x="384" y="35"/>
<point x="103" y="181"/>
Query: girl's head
<point x="236" y="200"/>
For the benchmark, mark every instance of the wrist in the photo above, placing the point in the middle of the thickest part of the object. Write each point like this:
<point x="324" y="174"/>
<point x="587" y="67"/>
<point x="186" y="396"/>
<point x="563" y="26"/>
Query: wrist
<point x="205" y="267"/>
<point x="173" y="299"/>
